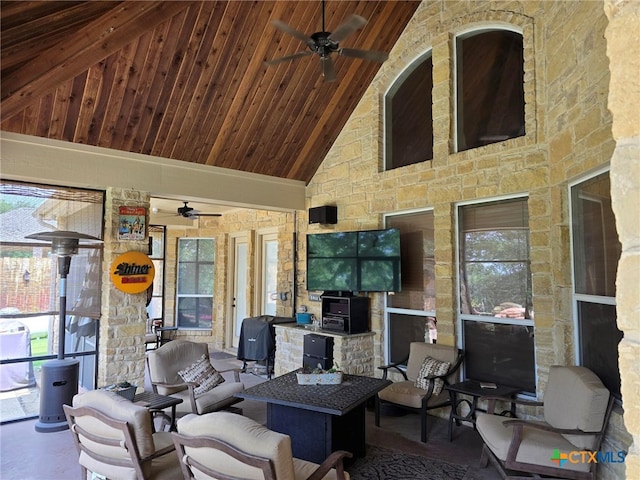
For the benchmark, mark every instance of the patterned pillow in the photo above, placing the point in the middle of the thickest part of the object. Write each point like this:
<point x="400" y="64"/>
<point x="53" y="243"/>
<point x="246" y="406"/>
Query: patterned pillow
<point x="431" y="366"/>
<point x="202" y="373"/>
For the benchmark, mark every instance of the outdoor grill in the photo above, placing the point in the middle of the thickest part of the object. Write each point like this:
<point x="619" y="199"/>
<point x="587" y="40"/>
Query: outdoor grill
<point x="258" y="340"/>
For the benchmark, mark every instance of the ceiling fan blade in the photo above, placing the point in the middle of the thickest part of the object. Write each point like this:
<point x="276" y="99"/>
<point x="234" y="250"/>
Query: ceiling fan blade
<point x="280" y="25"/>
<point x="328" y="72"/>
<point x="288" y="57"/>
<point x="207" y="215"/>
<point x="350" y="25"/>
<point x="371" y="55"/>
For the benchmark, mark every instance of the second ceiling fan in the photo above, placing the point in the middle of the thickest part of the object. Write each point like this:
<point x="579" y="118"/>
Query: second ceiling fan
<point x="325" y="43"/>
<point x="189" y="212"/>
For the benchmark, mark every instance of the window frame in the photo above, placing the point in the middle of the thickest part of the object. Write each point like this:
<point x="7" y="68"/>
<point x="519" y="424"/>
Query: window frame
<point x="389" y="310"/>
<point x="265" y="237"/>
<point x="387" y="114"/>
<point x="464" y="317"/>
<point x="197" y="296"/>
<point x="578" y="298"/>
<point x="158" y="259"/>
<point x="469" y="32"/>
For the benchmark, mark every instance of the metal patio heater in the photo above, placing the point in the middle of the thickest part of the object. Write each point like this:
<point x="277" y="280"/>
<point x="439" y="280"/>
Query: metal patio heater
<point x="59" y="377"/>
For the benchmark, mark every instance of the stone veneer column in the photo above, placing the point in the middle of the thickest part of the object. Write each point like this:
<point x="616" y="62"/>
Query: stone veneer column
<point x="123" y="320"/>
<point x="623" y="45"/>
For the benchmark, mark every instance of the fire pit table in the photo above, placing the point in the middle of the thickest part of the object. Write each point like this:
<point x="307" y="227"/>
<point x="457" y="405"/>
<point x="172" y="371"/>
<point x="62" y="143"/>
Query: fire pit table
<point x="319" y="418"/>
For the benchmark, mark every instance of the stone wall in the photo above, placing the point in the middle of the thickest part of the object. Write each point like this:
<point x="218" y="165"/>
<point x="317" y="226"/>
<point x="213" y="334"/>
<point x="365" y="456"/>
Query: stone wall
<point x="623" y="45"/>
<point x="353" y="354"/>
<point x="124" y="315"/>
<point x="574" y="78"/>
<point x="568" y="135"/>
<point x="240" y="221"/>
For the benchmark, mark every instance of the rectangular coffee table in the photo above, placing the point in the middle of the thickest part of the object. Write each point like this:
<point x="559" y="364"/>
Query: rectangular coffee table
<point x="319" y="418"/>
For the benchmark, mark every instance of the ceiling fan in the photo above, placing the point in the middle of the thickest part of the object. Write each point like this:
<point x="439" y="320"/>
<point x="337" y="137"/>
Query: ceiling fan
<point x="325" y="43"/>
<point x="189" y="212"/>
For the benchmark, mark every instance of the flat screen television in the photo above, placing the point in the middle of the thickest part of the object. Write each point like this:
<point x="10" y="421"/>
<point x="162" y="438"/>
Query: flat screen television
<point x="361" y="261"/>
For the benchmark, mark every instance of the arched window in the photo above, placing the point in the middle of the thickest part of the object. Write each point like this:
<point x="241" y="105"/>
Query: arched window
<point x="489" y="88"/>
<point x="408" y="116"/>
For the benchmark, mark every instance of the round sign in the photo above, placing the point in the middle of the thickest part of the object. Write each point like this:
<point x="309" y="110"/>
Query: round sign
<point x="132" y="272"/>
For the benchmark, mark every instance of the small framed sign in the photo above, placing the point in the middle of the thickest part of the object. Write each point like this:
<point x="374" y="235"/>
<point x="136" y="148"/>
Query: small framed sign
<point x="132" y="223"/>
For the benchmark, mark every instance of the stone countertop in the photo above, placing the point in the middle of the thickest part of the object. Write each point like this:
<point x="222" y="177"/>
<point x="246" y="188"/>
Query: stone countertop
<point x="319" y="331"/>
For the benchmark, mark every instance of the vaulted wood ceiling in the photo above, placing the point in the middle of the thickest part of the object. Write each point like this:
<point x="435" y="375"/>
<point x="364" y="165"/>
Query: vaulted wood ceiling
<point x="186" y="80"/>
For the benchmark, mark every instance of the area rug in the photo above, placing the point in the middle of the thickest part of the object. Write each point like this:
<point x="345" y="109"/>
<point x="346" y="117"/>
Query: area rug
<point x="384" y="464"/>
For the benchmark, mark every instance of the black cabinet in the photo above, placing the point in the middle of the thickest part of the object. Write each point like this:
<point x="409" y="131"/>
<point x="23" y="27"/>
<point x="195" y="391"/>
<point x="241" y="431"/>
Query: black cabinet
<point x="345" y="314"/>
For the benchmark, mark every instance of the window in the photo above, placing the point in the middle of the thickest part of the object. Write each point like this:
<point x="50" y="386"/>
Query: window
<point x="489" y="88"/>
<point x="195" y="283"/>
<point x="596" y="251"/>
<point x="268" y="281"/>
<point x="155" y="309"/>
<point x="496" y="308"/>
<point x="411" y="313"/>
<point x="408" y="116"/>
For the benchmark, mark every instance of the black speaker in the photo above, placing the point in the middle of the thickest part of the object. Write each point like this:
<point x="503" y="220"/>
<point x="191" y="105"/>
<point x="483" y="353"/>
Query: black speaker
<point x="327" y="215"/>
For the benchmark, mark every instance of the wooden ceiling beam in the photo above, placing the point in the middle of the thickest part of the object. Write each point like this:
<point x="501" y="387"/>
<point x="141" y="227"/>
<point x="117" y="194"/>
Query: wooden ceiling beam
<point x="91" y="44"/>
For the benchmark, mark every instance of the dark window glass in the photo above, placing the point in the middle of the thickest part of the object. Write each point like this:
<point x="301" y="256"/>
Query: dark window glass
<point x="495" y="282"/>
<point x="490" y="88"/>
<point x="409" y="120"/>
<point x="500" y="353"/>
<point x="596" y="248"/>
<point x="411" y="311"/>
<point x="596" y="252"/>
<point x="599" y="339"/>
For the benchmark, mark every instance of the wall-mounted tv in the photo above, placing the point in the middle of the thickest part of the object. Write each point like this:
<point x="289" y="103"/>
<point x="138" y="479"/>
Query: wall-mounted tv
<point x="362" y="261"/>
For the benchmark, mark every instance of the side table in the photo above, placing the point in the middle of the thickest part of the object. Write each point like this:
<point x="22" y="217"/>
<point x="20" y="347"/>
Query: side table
<point x="156" y="404"/>
<point x="162" y="339"/>
<point x="473" y="389"/>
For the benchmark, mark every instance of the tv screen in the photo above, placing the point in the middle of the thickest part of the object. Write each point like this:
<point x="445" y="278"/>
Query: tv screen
<point x="364" y="261"/>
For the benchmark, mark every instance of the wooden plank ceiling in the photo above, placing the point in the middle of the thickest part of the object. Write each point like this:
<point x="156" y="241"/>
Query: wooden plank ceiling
<point x="187" y="80"/>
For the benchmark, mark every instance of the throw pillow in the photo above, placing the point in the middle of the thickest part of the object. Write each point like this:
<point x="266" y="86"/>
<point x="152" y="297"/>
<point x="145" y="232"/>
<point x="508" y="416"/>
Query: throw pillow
<point x="203" y="374"/>
<point x="431" y="366"/>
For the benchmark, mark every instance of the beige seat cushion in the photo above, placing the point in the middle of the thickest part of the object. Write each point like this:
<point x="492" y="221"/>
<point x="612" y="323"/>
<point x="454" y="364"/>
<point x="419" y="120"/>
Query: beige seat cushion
<point x="575" y="398"/>
<point x="243" y="433"/>
<point x="405" y="392"/>
<point x="216" y="399"/>
<point x="118" y="407"/>
<point x="115" y="406"/>
<point x="537" y="446"/>
<point x="166" y="361"/>
<point x="250" y="437"/>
